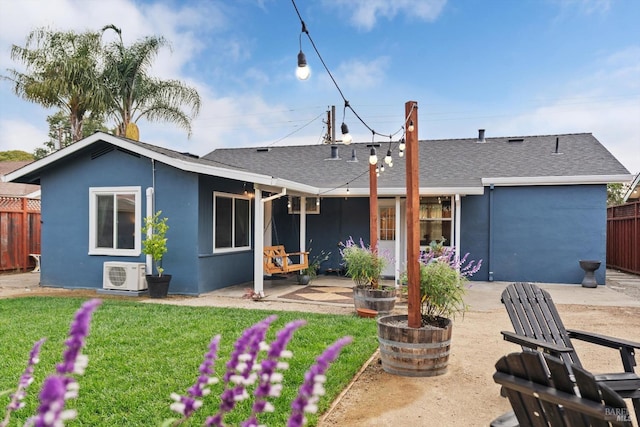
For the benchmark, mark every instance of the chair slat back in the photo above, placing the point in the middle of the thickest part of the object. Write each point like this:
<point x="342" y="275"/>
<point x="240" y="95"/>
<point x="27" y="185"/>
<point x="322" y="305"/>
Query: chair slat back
<point x="533" y="314"/>
<point x="541" y="393"/>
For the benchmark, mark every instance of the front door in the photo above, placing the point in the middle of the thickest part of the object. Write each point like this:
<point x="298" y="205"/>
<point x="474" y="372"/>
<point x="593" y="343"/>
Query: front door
<point x="387" y="234"/>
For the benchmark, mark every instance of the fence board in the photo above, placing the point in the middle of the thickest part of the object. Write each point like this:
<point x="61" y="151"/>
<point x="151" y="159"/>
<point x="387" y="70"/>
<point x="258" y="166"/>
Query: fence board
<point x="623" y="237"/>
<point x="19" y="232"/>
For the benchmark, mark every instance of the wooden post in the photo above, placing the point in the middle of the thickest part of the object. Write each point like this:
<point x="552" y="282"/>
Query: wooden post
<point x="413" y="220"/>
<point x="373" y="207"/>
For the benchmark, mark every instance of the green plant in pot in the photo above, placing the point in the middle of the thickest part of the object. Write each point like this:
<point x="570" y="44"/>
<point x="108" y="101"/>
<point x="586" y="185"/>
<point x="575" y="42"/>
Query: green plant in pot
<point x="155" y="244"/>
<point x="424" y="351"/>
<point x="364" y="265"/>
<point x="307" y="275"/>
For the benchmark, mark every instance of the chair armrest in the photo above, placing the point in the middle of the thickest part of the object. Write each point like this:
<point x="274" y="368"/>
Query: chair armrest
<point x="626" y="347"/>
<point x="535" y="344"/>
<point x="603" y="340"/>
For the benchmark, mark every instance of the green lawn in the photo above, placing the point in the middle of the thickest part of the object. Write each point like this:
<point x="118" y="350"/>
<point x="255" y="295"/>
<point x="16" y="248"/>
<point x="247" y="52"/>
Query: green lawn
<point x="140" y="353"/>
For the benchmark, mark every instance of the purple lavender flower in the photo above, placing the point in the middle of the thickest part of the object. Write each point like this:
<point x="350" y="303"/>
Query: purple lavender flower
<point x="74" y="361"/>
<point x="188" y="404"/>
<point x="239" y="374"/>
<point x="51" y="413"/>
<point x="270" y="381"/>
<point x="57" y="389"/>
<point x="25" y="380"/>
<point x="313" y="386"/>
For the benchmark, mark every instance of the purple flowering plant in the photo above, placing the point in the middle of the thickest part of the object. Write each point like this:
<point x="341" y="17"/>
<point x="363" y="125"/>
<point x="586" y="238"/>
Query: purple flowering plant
<point x="443" y="281"/>
<point x="363" y="263"/>
<point x="255" y="370"/>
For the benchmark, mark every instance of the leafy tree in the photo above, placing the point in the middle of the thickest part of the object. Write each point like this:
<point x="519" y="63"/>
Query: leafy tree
<point x="14" y="156"/>
<point x="61" y="71"/>
<point x="615" y="194"/>
<point x="133" y="94"/>
<point x="60" y="134"/>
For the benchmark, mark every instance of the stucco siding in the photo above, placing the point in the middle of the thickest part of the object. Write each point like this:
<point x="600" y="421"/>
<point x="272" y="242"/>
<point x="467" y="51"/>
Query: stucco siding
<point x="338" y="220"/>
<point x="65" y="232"/>
<point x="219" y="270"/>
<point x="537" y="234"/>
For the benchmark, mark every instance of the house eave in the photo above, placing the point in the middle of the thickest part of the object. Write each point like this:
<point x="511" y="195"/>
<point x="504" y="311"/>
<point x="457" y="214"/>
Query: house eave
<point x="401" y="191"/>
<point x="556" y="180"/>
<point x="177" y="163"/>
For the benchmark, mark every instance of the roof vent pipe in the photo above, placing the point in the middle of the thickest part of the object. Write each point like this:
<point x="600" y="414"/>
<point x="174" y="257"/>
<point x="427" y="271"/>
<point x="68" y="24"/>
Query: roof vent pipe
<point x="557" y="143"/>
<point x="481" y="135"/>
<point x="354" y="158"/>
<point x="334" y="151"/>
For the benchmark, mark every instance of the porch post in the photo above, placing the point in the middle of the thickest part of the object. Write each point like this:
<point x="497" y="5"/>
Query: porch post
<point x="303" y="224"/>
<point x="373" y="207"/>
<point x="398" y="226"/>
<point x="457" y="225"/>
<point x="258" y="242"/>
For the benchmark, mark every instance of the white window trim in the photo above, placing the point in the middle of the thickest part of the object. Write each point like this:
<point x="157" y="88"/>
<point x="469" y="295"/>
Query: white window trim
<point x="96" y="191"/>
<point x="315" y="208"/>
<point x="217" y="194"/>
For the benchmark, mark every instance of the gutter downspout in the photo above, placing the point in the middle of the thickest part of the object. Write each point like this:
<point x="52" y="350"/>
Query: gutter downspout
<point x="149" y="213"/>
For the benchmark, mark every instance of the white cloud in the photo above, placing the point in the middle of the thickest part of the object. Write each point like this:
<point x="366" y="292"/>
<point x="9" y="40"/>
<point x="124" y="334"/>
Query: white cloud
<point x="357" y="74"/>
<point x="21" y="135"/>
<point x="365" y="13"/>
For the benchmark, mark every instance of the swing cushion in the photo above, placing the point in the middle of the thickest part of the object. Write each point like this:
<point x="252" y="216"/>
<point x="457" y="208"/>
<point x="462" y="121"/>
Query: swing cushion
<point x="276" y="260"/>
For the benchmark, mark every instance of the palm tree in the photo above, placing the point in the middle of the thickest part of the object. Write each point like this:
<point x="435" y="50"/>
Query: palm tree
<point x="61" y="71"/>
<point x="133" y="94"/>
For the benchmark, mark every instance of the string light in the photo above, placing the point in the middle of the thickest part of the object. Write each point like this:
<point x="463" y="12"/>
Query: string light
<point x="303" y="71"/>
<point x="346" y="136"/>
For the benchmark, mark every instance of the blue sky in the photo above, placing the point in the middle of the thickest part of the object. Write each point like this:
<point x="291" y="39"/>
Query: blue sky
<point x="514" y="68"/>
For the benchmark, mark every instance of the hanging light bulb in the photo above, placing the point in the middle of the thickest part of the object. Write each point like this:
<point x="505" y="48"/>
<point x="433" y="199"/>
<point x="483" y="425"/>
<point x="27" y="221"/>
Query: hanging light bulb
<point x="391" y="164"/>
<point x="346" y="136"/>
<point x="411" y="127"/>
<point x="373" y="157"/>
<point x="303" y="71"/>
<point x="387" y="158"/>
<point x="402" y="146"/>
<point x="401" y="153"/>
<point x="381" y="167"/>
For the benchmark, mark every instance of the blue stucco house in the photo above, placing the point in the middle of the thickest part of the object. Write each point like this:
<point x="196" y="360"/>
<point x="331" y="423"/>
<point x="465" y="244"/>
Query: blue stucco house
<point x="530" y="207"/>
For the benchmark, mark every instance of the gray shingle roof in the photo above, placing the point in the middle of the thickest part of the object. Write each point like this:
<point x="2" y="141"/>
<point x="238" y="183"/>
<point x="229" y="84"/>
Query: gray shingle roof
<point x="443" y="163"/>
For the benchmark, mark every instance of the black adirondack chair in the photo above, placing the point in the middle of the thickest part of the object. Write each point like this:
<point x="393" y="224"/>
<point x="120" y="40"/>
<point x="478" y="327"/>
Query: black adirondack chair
<point x="538" y="326"/>
<point x="542" y="393"/>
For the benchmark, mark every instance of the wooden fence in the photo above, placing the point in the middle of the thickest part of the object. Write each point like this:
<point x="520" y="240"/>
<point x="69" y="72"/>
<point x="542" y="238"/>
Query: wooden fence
<point x="623" y="237"/>
<point x="19" y="232"/>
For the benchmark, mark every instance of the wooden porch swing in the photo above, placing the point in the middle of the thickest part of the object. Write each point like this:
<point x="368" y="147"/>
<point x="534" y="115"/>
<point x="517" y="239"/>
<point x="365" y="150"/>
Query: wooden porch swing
<point x="277" y="261"/>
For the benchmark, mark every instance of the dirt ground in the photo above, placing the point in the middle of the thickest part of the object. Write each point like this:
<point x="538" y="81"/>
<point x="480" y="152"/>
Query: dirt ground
<point x="466" y="395"/>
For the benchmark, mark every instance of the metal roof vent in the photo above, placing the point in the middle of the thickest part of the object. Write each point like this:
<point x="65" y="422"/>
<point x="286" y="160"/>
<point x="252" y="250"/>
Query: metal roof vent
<point x="263" y="150"/>
<point x="515" y="140"/>
<point x="557" y="146"/>
<point x="334" y="153"/>
<point x="481" y="135"/>
<point x="353" y="158"/>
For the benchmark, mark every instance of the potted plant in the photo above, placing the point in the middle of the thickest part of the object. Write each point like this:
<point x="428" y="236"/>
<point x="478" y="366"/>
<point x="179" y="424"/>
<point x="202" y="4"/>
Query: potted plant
<point x="364" y="265"/>
<point x="155" y="244"/>
<point x="424" y="351"/>
<point x="307" y="275"/>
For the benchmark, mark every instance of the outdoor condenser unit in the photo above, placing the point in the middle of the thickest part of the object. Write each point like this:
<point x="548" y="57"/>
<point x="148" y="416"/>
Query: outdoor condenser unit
<point x="124" y="276"/>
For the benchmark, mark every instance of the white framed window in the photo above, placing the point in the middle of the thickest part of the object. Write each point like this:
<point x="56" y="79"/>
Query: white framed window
<point x="115" y="221"/>
<point x="312" y="205"/>
<point x="231" y="222"/>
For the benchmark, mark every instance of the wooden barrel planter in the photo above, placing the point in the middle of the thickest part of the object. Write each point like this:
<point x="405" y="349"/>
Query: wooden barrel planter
<point x="381" y="300"/>
<point x="413" y="352"/>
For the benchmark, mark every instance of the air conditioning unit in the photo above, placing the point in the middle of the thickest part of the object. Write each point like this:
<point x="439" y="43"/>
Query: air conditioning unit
<point x="124" y="276"/>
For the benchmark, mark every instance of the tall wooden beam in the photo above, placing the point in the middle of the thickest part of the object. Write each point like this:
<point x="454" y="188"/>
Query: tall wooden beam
<point x="413" y="220"/>
<point x="373" y="207"/>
